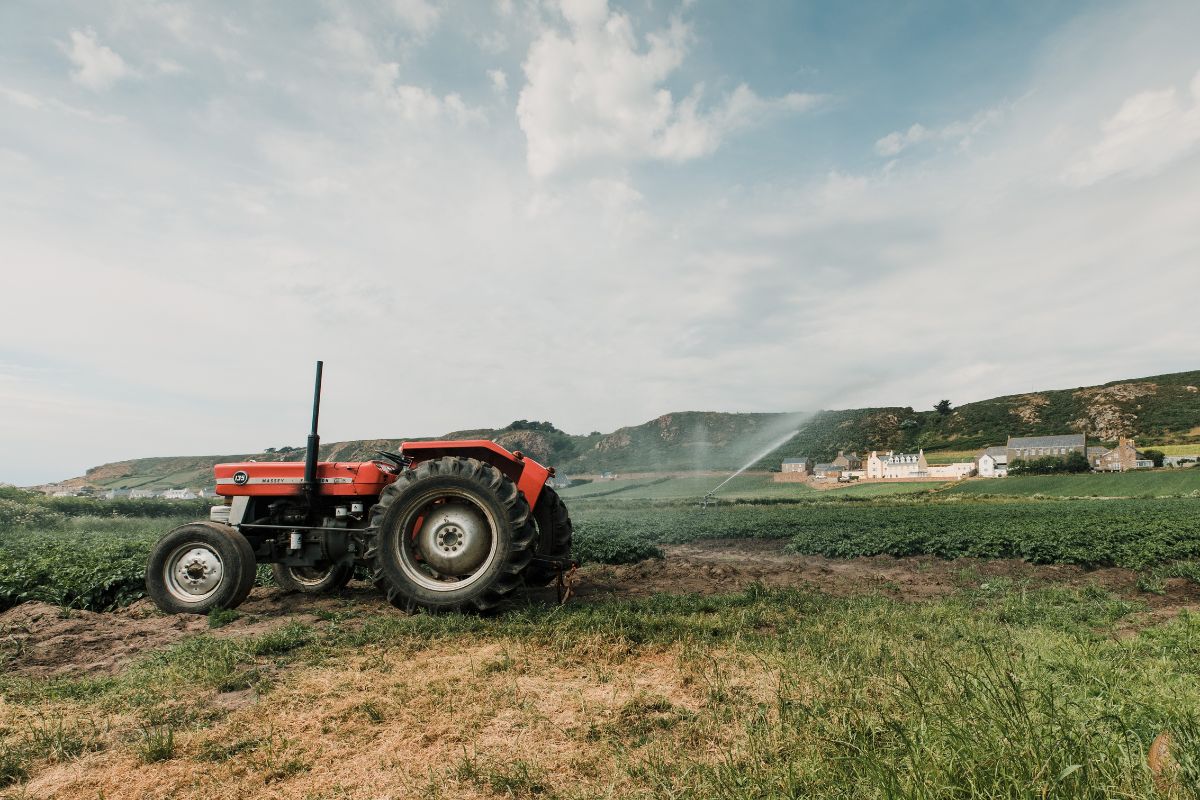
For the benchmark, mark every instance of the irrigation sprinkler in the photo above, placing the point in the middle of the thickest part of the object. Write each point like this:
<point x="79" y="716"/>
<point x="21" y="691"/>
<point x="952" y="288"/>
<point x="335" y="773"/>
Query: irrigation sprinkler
<point x="711" y="498"/>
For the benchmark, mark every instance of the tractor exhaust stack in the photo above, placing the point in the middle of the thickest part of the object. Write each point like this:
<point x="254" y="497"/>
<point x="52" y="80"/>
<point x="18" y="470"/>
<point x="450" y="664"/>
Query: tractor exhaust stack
<point x="314" y="441"/>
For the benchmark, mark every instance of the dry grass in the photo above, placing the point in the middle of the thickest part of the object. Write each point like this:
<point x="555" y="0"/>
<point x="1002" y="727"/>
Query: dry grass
<point x="491" y="718"/>
<point x="1000" y="690"/>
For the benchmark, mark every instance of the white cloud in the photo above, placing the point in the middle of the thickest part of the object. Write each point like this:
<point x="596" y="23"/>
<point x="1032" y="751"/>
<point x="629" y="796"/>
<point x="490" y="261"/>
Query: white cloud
<point x="341" y="197"/>
<point x="418" y="104"/>
<point x="499" y="80"/>
<point x="17" y="97"/>
<point x="958" y="133"/>
<point x="96" y="66"/>
<point x="493" y="42"/>
<point x="596" y="92"/>
<point x="420" y="16"/>
<point x="167" y="66"/>
<point x="1150" y="130"/>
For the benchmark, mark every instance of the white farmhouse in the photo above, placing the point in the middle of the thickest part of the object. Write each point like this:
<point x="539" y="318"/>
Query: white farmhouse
<point x="179" y="494"/>
<point x="992" y="462"/>
<point x="897" y="465"/>
<point x="906" y="465"/>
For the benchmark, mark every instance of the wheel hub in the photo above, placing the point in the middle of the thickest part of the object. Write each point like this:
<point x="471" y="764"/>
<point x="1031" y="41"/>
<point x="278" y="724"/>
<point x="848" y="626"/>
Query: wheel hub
<point x="194" y="572"/>
<point x="455" y="539"/>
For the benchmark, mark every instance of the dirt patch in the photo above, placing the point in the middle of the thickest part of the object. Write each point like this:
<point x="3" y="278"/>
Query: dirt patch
<point x="41" y="639"/>
<point x="721" y="566"/>
<point x="37" y="639"/>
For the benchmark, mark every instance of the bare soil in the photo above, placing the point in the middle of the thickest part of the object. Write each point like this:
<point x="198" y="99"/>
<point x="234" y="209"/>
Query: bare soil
<point x="37" y="639"/>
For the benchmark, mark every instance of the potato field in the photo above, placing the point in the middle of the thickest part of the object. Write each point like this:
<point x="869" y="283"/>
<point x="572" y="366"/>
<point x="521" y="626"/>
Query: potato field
<point x="1034" y="640"/>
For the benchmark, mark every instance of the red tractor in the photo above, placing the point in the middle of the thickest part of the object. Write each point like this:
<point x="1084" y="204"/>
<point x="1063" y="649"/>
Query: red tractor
<point x="451" y="525"/>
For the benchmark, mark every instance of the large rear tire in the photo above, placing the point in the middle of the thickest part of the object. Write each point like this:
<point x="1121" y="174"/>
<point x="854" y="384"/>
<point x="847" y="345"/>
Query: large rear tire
<point x="554" y="526"/>
<point x="313" y="580"/>
<point x="453" y="534"/>
<point x="198" y="567"/>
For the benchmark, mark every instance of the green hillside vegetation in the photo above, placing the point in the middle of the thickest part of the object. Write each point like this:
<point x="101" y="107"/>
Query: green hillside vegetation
<point x="1159" y="410"/>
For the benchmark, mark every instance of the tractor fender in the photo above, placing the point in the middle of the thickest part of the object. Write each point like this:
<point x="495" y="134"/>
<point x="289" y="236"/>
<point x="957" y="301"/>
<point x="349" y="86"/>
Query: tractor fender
<point x="529" y="476"/>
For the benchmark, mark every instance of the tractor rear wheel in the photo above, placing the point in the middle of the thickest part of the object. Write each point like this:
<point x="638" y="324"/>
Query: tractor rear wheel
<point x="320" y="579"/>
<point x="554" y="526"/>
<point x="453" y="534"/>
<point x="198" y="567"/>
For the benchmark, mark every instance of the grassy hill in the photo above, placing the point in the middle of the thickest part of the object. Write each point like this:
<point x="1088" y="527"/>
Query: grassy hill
<point x="1160" y="409"/>
<point x="1163" y="409"/>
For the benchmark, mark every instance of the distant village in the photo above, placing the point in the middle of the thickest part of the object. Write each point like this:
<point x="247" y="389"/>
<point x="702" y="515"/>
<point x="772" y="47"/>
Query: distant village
<point x="58" y="490"/>
<point x="991" y="462"/>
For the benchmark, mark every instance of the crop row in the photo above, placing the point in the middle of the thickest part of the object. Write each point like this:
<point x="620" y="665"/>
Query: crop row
<point x="1128" y="533"/>
<point x="98" y="563"/>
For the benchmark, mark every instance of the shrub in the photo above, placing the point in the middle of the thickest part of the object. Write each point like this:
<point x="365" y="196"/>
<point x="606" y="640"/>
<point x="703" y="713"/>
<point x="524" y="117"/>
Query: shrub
<point x="15" y="515"/>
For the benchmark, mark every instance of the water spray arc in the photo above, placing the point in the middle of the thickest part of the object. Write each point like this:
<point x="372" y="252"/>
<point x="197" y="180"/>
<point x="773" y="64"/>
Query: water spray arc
<point x="710" y="497"/>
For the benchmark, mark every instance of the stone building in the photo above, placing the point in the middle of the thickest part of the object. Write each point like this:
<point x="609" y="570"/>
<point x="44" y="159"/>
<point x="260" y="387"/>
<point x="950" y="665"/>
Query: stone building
<point x="1122" y="458"/>
<point x="1029" y="448"/>
<point x="800" y="464"/>
<point x="848" y="461"/>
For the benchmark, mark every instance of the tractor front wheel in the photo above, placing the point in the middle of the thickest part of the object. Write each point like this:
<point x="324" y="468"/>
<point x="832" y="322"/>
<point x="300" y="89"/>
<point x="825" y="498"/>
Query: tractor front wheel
<point x="453" y="534"/>
<point x="198" y="567"/>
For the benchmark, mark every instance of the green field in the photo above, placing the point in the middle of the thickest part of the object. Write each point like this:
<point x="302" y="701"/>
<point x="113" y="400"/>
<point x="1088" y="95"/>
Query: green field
<point x="744" y="487"/>
<point x="90" y="554"/>
<point x="1131" y="533"/>
<point x="1155" y="483"/>
<point x="951" y="456"/>
<point x="1003" y="689"/>
<point x="1174" y="449"/>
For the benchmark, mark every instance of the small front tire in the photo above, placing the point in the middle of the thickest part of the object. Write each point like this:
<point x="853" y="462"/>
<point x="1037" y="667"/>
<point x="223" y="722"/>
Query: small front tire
<point x="198" y="567"/>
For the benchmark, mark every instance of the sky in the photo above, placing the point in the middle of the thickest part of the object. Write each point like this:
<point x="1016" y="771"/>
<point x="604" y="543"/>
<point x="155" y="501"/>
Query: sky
<point x="585" y="212"/>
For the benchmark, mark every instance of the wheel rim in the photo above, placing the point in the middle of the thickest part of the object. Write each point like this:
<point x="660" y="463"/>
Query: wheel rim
<point x="310" y="576"/>
<point x="448" y="541"/>
<point x="193" y="572"/>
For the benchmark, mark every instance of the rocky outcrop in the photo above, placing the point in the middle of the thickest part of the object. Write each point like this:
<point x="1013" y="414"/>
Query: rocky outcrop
<point x="1110" y="412"/>
<point x="1029" y="407"/>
